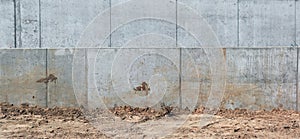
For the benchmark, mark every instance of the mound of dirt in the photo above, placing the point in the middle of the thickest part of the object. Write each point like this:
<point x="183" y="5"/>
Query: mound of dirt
<point x="8" y="110"/>
<point x="140" y="114"/>
<point x="124" y="112"/>
<point x="229" y="113"/>
<point x="27" y="121"/>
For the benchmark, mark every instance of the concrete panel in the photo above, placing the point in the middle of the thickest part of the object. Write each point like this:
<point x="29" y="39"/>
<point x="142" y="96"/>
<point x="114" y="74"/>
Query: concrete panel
<point x="266" y="22"/>
<point x="298" y="22"/>
<point x="94" y="98"/>
<point x="298" y="93"/>
<point x="60" y="92"/>
<point x="28" y="24"/>
<point x="195" y="78"/>
<point x="190" y="26"/>
<point x="20" y="69"/>
<point x="87" y="69"/>
<point x="3" y="94"/>
<point x="118" y="71"/>
<point x="7" y="28"/>
<point x="79" y="77"/>
<point x="256" y="78"/>
<point x="63" y="22"/>
<point x="101" y="93"/>
<point x="298" y="43"/>
<point x="261" y="78"/>
<point x="220" y="15"/>
<point x="134" y="19"/>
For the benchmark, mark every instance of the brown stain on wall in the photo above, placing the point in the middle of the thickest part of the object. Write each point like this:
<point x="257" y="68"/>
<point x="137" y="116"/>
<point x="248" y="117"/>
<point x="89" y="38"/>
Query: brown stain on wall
<point x="224" y="52"/>
<point x="244" y="96"/>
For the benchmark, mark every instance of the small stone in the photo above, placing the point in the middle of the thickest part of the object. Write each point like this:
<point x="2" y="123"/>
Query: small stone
<point x="25" y="105"/>
<point x="259" y="128"/>
<point x="236" y="130"/>
<point x="286" y="127"/>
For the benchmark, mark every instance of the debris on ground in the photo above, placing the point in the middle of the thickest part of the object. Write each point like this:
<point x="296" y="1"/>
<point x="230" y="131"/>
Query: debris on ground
<point x="140" y="114"/>
<point x="26" y="121"/>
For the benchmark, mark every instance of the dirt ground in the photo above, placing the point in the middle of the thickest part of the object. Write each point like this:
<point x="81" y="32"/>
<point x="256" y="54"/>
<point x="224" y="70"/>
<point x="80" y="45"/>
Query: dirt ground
<point x="36" y="122"/>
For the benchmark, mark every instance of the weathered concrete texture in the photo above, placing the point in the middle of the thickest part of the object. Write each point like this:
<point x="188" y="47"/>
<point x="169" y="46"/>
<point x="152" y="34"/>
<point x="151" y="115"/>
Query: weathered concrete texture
<point x="220" y="15"/>
<point x="7" y="24"/>
<point x="60" y="92"/>
<point x="27" y="23"/>
<point x="115" y="77"/>
<point x="260" y="22"/>
<point x="189" y="28"/>
<point x="195" y="78"/>
<point x="298" y="42"/>
<point x="101" y="92"/>
<point x="266" y="22"/>
<point x="63" y="22"/>
<point x="298" y="93"/>
<point x="93" y="69"/>
<point x="145" y="41"/>
<point x="20" y="69"/>
<point x="80" y="76"/>
<point x="136" y="18"/>
<point x="261" y="78"/>
<point x="298" y="22"/>
<point x="256" y="78"/>
<point x="140" y="29"/>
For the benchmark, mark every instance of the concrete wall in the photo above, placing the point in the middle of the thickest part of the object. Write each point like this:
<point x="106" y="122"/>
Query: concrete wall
<point x="257" y="34"/>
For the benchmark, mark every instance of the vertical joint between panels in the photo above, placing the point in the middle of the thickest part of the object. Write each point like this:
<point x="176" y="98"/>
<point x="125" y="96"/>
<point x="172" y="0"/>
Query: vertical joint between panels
<point x="40" y="25"/>
<point x="180" y="55"/>
<point x="297" y="47"/>
<point x="15" y="23"/>
<point x="238" y="23"/>
<point x="110" y="6"/>
<point x="18" y="25"/>
<point x="47" y="88"/>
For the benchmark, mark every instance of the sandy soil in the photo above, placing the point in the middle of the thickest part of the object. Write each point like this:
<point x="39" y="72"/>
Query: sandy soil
<point x="36" y="122"/>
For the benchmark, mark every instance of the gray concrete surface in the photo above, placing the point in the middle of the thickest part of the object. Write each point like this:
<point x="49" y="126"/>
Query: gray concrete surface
<point x="7" y="27"/>
<point x="28" y="24"/>
<point x="55" y="24"/>
<point x="140" y="17"/>
<point x="297" y="22"/>
<point x="256" y="78"/>
<point x="266" y="22"/>
<point x="221" y="16"/>
<point x="260" y="77"/>
<point x="20" y="69"/>
<point x="60" y="92"/>
<point x="62" y="22"/>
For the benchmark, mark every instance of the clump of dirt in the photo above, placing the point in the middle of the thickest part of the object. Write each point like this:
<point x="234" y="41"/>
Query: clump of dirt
<point x="140" y="114"/>
<point x="199" y="110"/>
